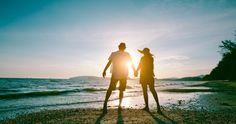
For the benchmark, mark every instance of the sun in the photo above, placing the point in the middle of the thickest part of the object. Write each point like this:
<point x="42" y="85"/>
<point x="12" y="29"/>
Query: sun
<point x="135" y="56"/>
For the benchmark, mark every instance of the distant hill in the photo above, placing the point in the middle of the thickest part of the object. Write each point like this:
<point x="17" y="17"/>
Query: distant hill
<point x="85" y="78"/>
<point x="226" y="68"/>
<point x="168" y="79"/>
<point x="193" y="78"/>
<point x="91" y="78"/>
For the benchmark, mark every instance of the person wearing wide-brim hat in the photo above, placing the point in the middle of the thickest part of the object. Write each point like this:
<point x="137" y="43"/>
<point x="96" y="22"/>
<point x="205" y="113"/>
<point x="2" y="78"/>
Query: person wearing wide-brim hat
<point x="146" y="68"/>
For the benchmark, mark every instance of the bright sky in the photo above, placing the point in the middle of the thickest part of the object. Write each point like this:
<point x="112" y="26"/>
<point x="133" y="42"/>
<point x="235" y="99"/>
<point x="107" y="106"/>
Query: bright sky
<point x="66" y="38"/>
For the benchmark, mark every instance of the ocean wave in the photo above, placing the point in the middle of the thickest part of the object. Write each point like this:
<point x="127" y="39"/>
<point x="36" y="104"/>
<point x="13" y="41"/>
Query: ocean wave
<point x="93" y="89"/>
<point x="30" y="94"/>
<point x="47" y="93"/>
<point x="55" y="80"/>
<point x="60" y="104"/>
<point x="8" y="90"/>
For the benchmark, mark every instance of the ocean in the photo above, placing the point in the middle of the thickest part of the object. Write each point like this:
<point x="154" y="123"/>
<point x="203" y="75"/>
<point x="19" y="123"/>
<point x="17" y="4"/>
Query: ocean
<point x="20" y="96"/>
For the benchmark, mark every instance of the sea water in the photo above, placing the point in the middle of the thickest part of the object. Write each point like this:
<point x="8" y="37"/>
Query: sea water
<point x="20" y="96"/>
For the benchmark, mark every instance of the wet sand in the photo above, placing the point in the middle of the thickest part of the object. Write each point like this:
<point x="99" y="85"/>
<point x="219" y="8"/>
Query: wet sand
<point x="220" y="95"/>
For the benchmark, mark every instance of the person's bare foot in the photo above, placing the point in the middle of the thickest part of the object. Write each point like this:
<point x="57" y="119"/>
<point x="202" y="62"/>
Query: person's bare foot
<point x="159" y="110"/>
<point x="119" y="108"/>
<point x="145" y="109"/>
<point x="104" y="111"/>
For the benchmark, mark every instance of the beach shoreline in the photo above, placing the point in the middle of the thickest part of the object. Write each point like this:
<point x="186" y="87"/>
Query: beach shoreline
<point x="128" y="116"/>
<point x="216" y="107"/>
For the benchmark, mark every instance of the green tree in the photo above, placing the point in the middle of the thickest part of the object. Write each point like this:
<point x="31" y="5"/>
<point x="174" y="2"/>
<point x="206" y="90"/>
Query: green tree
<point x="226" y="68"/>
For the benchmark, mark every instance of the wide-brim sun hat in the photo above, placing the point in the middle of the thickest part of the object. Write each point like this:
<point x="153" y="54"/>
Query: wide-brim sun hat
<point x="145" y="51"/>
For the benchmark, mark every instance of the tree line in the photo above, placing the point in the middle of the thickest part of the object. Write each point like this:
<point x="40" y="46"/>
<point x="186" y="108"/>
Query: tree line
<point x="226" y="68"/>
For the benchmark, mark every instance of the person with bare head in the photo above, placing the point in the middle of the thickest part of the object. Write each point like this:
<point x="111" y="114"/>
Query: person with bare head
<point x="146" y="67"/>
<point x="119" y="70"/>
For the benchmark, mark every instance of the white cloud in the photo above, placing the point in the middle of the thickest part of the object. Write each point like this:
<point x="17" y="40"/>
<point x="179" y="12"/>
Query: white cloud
<point x="175" y="57"/>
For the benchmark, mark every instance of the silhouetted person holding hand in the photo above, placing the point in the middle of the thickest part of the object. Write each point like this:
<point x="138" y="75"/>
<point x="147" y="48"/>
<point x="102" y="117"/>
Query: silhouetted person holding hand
<point x="146" y="68"/>
<point x="119" y="69"/>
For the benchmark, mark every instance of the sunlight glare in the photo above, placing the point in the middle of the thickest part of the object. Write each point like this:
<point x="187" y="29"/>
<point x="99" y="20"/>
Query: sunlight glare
<point x="126" y="102"/>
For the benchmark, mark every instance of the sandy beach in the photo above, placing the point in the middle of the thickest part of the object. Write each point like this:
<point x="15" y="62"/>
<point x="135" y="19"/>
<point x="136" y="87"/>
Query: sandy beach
<point x="117" y="61"/>
<point x="127" y="116"/>
<point x="219" y="107"/>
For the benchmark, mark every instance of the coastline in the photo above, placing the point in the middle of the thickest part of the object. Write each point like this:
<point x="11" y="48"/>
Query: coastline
<point x="222" y="98"/>
<point x="128" y="116"/>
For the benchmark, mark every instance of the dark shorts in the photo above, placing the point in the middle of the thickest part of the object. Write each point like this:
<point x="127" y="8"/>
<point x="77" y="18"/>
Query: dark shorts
<point x="147" y="81"/>
<point x="114" y="82"/>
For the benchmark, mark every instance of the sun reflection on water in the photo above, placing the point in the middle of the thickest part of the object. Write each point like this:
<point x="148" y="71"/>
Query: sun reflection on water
<point x="126" y="102"/>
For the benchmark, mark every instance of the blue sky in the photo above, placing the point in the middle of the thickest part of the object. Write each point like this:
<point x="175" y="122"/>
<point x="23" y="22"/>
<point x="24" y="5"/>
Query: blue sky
<point x="66" y="38"/>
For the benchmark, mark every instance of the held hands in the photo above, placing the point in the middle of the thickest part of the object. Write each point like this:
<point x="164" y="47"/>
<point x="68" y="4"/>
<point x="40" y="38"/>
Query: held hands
<point x="135" y="73"/>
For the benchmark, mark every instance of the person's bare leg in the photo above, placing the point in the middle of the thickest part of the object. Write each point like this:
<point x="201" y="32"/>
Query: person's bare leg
<point x="154" y="93"/>
<point x="122" y="87"/>
<point x="108" y="94"/>
<point x="121" y="98"/>
<point x="145" y="96"/>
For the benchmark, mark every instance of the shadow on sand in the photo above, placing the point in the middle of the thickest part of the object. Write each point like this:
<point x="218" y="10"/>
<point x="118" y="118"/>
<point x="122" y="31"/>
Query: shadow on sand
<point x="159" y="121"/>
<point x="99" y="119"/>
<point x="121" y="121"/>
<point x="120" y="118"/>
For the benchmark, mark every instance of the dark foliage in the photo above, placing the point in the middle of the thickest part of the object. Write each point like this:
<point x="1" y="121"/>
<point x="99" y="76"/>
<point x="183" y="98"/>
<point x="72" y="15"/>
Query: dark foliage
<point x="226" y="68"/>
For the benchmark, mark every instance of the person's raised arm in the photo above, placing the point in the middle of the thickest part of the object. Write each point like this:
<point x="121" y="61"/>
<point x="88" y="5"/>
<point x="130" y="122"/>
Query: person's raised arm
<point x="131" y="61"/>
<point x="105" y="69"/>
<point x="134" y="69"/>
<point x="138" y="68"/>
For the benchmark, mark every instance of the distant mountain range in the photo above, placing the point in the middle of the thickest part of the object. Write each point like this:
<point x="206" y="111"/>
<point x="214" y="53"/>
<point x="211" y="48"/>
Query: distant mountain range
<point x="193" y="78"/>
<point x="85" y="78"/>
<point x="91" y="78"/>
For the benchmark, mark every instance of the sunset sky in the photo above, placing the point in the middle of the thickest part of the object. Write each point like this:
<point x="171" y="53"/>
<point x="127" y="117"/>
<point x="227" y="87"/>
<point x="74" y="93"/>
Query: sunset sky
<point x="66" y="38"/>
